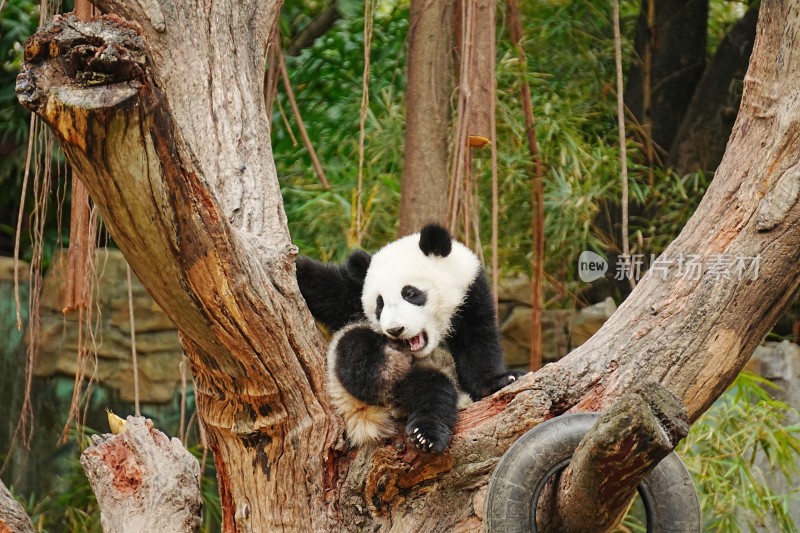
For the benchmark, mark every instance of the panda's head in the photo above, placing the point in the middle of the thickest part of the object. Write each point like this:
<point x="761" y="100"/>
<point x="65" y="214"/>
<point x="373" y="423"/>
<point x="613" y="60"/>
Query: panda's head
<point x="415" y="285"/>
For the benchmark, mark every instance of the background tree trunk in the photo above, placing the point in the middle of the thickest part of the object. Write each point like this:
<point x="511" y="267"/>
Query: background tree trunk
<point x="430" y="84"/>
<point x="677" y="42"/>
<point x="704" y="131"/>
<point x="174" y="150"/>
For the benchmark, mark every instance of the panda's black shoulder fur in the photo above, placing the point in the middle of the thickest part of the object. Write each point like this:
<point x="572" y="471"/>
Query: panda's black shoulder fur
<point x="333" y="292"/>
<point x="474" y="341"/>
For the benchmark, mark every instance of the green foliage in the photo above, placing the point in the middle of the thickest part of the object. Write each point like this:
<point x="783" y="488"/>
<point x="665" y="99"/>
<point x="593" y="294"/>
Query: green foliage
<point x="727" y="450"/>
<point x="327" y="83"/>
<point x="571" y="74"/>
<point x="18" y="20"/>
<point x="722" y="14"/>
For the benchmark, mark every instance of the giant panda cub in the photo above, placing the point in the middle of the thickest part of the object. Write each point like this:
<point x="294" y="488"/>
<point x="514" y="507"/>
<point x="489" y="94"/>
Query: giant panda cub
<point x="415" y="336"/>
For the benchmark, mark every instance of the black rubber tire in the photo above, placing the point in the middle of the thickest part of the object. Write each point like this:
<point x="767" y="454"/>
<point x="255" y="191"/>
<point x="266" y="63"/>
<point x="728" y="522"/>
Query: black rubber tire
<point x="667" y="492"/>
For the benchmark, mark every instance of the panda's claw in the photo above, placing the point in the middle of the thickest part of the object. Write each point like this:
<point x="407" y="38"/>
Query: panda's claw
<point x="431" y="436"/>
<point x="496" y="383"/>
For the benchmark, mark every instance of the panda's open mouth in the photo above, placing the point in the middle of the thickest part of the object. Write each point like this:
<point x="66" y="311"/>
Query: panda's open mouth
<point x="418" y="341"/>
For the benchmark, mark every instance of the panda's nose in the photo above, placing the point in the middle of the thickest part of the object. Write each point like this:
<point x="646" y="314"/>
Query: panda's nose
<point x="395" y="332"/>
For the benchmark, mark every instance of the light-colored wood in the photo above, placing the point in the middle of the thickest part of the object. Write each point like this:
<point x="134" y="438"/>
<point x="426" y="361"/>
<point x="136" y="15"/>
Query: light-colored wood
<point x="12" y="516"/>
<point x="143" y="480"/>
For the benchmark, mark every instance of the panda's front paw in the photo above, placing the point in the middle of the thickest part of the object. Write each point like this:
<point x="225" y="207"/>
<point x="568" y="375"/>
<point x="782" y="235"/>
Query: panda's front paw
<point x="496" y="383"/>
<point x="429" y="434"/>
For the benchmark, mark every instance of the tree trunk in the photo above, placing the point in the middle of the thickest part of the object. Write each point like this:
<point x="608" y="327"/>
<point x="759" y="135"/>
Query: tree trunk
<point x="677" y="52"/>
<point x="194" y="205"/>
<point x="143" y="480"/>
<point x="166" y="125"/>
<point x="700" y="142"/>
<point x="430" y="84"/>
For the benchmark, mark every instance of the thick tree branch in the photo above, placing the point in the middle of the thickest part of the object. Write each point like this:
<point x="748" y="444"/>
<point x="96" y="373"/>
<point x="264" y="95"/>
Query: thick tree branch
<point x="626" y="443"/>
<point x="257" y="365"/>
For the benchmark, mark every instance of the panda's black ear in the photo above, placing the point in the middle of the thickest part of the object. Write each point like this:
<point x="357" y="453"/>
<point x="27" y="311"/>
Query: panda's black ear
<point x="357" y="264"/>
<point x="435" y="240"/>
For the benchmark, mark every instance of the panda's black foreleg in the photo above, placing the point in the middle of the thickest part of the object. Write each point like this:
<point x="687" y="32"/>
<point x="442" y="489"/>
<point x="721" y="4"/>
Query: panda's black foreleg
<point x="428" y="398"/>
<point x="367" y="365"/>
<point x="333" y="292"/>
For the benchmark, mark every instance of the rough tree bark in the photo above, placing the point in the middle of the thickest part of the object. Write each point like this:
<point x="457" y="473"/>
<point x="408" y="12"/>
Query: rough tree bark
<point x="12" y="516"/>
<point x="706" y="126"/>
<point x="430" y="84"/>
<point x="143" y="480"/>
<point x="167" y="127"/>
<point x="622" y="447"/>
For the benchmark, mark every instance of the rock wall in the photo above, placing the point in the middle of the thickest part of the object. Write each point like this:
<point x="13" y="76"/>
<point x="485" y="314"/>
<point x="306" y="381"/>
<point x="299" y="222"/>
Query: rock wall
<point x="157" y="345"/>
<point x="779" y="362"/>
<point x="563" y="330"/>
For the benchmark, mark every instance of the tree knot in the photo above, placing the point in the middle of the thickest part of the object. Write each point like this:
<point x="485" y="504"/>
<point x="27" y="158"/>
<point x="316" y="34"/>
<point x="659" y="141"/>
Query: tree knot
<point x="105" y="50"/>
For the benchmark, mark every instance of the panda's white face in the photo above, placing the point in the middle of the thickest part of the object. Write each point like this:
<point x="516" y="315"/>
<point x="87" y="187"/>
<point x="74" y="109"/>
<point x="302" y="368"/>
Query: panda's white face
<point x="411" y="296"/>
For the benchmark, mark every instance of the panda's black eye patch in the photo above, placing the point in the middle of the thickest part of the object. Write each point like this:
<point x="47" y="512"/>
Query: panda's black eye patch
<point x="378" y="307"/>
<point x="414" y="295"/>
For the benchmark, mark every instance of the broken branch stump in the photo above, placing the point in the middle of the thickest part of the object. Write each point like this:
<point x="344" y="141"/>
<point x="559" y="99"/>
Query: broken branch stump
<point x="624" y="445"/>
<point x="143" y="480"/>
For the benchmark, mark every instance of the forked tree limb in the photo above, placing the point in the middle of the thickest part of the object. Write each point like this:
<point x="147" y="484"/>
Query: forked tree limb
<point x="259" y="383"/>
<point x="164" y="124"/>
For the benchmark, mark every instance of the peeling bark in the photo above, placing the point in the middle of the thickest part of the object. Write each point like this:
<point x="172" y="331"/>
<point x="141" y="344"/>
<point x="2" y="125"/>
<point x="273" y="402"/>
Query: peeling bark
<point x="143" y="480"/>
<point x="166" y="125"/>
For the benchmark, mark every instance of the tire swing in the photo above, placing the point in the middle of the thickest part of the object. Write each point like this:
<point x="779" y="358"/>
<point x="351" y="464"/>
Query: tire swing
<point x="668" y="494"/>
